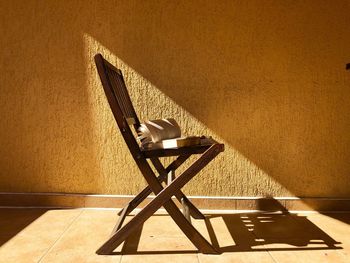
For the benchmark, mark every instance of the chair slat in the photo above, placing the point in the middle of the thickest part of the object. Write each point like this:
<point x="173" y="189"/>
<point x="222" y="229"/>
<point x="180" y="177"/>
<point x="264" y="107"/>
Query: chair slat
<point x="121" y="93"/>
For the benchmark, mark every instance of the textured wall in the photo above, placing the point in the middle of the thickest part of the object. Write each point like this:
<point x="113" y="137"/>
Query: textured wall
<point x="267" y="78"/>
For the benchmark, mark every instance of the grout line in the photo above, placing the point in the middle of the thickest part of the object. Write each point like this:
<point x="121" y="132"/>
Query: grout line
<point x="341" y="254"/>
<point x="271" y="256"/>
<point x="265" y="248"/>
<point x="60" y="237"/>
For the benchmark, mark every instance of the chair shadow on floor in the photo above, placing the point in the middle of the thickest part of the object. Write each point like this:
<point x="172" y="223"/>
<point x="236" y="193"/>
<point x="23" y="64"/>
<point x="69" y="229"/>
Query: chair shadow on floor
<point x="13" y="221"/>
<point x="276" y="230"/>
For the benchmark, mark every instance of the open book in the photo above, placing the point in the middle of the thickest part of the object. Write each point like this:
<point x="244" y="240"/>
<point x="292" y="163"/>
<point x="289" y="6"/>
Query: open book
<point x="164" y="133"/>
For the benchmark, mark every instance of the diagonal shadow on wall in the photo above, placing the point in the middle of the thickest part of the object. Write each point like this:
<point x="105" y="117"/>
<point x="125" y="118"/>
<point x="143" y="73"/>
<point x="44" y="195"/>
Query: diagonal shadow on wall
<point x="265" y="80"/>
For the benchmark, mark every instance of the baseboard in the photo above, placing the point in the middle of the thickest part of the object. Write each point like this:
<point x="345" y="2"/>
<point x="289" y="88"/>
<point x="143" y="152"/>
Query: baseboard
<point x="63" y="200"/>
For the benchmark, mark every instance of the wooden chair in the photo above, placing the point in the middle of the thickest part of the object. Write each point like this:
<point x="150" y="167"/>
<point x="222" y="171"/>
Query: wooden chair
<point x="125" y="116"/>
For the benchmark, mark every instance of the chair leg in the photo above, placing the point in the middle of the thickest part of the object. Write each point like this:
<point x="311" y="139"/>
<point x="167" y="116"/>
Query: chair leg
<point x="195" y="213"/>
<point x="147" y="190"/>
<point x="121" y="219"/>
<point x="195" y="237"/>
<point x="185" y="207"/>
<point x="164" y="198"/>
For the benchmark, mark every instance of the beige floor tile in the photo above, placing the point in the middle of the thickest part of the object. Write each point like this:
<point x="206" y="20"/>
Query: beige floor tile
<point x="84" y="237"/>
<point x="293" y="244"/>
<point x="154" y="244"/>
<point x="31" y="242"/>
<point x="320" y="231"/>
<point x="337" y="226"/>
<point x="161" y="225"/>
<point x="159" y="233"/>
<point x="220" y="232"/>
<point x="237" y="257"/>
<point x="160" y="258"/>
<point x="309" y="256"/>
<point x="283" y="226"/>
<point x="234" y="232"/>
<point x="28" y="235"/>
<point x="334" y="224"/>
<point x="13" y="221"/>
<point x="293" y="250"/>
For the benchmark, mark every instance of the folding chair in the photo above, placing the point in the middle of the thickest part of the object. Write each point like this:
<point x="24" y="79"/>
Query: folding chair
<point x="125" y="116"/>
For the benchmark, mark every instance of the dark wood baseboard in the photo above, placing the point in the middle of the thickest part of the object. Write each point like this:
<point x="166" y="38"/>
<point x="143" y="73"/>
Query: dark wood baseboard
<point x="62" y="200"/>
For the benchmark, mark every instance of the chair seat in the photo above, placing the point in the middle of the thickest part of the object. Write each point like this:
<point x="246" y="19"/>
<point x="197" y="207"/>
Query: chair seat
<point x="206" y="142"/>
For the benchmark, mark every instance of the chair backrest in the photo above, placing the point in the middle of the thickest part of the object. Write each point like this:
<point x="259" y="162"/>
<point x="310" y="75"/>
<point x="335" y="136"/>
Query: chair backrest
<point x="117" y="84"/>
<point x="119" y="101"/>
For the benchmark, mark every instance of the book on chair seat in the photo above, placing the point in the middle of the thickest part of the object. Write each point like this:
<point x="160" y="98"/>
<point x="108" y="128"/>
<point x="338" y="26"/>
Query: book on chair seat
<point x="180" y="142"/>
<point x="164" y="133"/>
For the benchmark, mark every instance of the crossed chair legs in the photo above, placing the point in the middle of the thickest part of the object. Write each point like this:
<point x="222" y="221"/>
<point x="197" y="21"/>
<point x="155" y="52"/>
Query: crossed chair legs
<point x="163" y="198"/>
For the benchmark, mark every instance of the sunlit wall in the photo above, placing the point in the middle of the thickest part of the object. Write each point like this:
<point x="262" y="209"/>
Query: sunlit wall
<point x="267" y="78"/>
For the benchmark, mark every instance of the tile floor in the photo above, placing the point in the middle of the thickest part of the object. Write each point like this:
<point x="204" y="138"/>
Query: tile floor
<point x="38" y="235"/>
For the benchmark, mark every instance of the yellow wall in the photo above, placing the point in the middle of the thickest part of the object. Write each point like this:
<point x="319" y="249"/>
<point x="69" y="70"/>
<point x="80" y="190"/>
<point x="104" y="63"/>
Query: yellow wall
<point x="267" y="78"/>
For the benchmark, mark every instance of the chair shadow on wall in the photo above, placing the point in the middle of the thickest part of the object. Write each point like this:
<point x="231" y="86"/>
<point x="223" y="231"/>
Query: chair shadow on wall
<point x="274" y="230"/>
